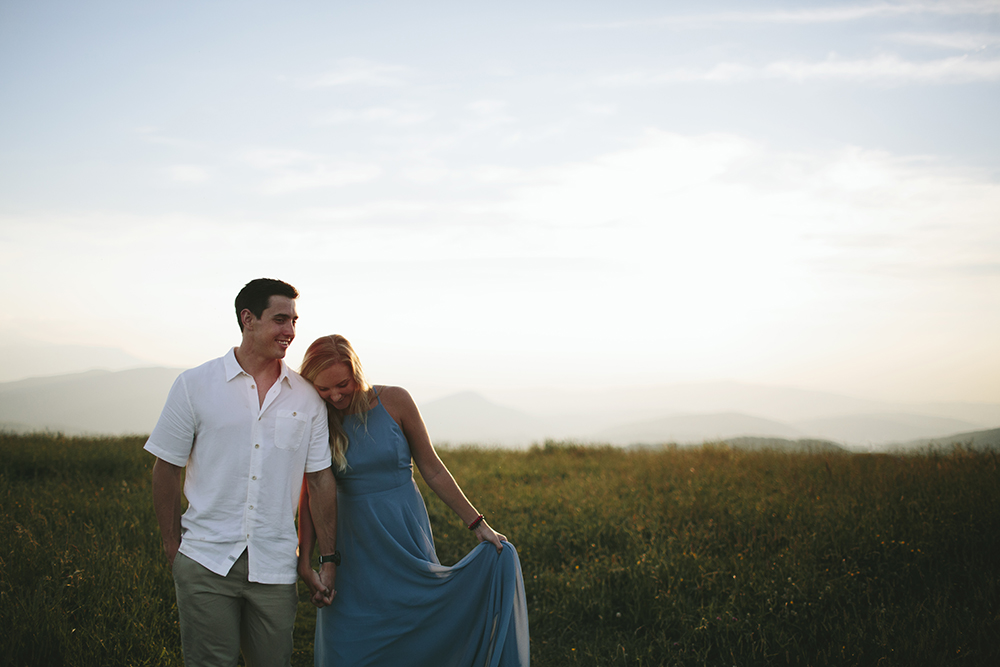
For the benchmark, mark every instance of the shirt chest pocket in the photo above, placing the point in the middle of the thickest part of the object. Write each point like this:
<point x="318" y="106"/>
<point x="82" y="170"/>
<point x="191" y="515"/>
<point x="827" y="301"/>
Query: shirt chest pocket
<point x="289" y="430"/>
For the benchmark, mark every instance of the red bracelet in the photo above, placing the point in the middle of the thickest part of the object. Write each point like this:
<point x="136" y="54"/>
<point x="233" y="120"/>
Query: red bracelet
<point x="479" y="520"/>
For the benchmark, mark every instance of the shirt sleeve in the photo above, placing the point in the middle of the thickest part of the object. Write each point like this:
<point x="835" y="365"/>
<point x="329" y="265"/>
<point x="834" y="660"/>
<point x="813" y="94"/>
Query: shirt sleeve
<point x="173" y="436"/>
<point x="319" y="457"/>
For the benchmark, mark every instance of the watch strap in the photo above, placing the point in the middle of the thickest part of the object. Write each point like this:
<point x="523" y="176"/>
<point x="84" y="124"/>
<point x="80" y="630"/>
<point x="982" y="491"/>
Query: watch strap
<point x="331" y="558"/>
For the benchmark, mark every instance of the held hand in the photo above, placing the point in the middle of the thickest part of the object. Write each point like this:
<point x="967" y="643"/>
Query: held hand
<point x="486" y="534"/>
<point x="320" y="595"/>
<point x="327" y="577"/>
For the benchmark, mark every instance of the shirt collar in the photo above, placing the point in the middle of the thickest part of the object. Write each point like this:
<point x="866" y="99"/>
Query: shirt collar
<point x="233" y="368"/>
<point x="283" y="376"/>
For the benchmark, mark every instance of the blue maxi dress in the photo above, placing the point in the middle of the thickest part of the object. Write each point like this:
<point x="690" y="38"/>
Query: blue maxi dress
<point x="396" y="605"/>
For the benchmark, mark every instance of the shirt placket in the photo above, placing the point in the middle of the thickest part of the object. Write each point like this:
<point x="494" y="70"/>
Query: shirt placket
<point x="255" y="473"/>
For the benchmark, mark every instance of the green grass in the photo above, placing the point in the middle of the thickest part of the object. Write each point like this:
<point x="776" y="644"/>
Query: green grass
<point x="704" y="556"/>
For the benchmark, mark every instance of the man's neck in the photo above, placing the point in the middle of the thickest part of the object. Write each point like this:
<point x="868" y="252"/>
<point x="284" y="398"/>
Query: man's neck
<point x="265" y="371"/>
<point x="256" y="365"/>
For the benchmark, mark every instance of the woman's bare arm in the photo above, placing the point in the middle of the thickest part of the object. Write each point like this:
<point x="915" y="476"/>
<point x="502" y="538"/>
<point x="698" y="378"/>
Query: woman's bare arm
<point x="404" y="411"/>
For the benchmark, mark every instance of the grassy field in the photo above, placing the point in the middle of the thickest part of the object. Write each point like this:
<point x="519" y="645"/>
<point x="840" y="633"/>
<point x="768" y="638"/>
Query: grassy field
<point x="704" y="556"/>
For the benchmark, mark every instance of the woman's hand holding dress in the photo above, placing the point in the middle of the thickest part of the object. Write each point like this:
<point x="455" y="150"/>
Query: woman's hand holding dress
<point x="486" y="534"/>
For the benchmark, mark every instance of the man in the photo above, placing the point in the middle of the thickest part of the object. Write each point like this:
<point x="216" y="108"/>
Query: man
<point x="246" y="428"/>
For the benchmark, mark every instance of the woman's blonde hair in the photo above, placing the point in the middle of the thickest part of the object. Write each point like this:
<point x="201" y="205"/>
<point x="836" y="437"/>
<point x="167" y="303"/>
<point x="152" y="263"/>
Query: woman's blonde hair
<point x="323" y="353"/>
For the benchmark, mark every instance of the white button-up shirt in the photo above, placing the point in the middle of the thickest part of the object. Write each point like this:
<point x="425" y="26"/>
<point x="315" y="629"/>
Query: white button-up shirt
<point x="245" y="462"/>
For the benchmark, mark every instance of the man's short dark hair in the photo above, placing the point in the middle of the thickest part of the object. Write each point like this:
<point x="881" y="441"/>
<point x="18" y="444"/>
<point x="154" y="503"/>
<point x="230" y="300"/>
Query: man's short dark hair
<point x="256" y="295"/>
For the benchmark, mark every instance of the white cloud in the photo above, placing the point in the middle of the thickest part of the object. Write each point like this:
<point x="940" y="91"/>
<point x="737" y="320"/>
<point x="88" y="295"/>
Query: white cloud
<point x="884" y="69"/>
<point x="427" y="173"/>
<point x="364" y="211"/>
<point x="189" y="173"/>
<point x="273" y="158"/>
<point x="387" y="115"/>
<point x="734" y="204"/>
<point x="816" y="15"/>
<point x="154" y="135"/>
<point x="861" y="12"/>
<point x="321" y="176"/>
<point x="292" y="171"/>
<point x="357" y="72"/>
<point x="957" y="41"/>
<point x="490" y="112"/>
<point x="486" y="115"/>
<point x="598" y="109"/>
<point x="499" y="174"/>
<point x="888" y="69"/>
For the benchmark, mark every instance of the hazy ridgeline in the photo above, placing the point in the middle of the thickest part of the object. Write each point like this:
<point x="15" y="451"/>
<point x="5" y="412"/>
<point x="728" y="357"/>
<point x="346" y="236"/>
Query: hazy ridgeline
<point x="683" y="556"/>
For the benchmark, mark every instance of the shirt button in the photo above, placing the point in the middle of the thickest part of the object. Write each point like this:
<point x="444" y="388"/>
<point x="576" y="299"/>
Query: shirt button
<point x="255" y="477"/>
<point x="256" y="446"/>
<point x="294" y="413"/>
<point x="251" y="507"/>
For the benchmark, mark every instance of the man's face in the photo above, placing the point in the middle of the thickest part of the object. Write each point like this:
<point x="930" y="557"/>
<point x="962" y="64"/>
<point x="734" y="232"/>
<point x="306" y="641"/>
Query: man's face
<point x="275" y="330"/>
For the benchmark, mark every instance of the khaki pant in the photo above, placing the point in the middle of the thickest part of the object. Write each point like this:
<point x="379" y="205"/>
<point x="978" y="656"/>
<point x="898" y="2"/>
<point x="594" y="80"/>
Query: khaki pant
<point x="221" y="616"/>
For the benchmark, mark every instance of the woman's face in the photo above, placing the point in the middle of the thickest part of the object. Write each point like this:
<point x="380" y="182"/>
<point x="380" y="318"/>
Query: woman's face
<point x="336" y="385"/>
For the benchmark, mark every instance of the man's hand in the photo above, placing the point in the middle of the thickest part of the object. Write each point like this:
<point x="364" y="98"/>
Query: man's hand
<point x="322" y="501"/>
<point x="171" y="550"/>
<point x="327" y="577"/>
<point x="321" y="591"/>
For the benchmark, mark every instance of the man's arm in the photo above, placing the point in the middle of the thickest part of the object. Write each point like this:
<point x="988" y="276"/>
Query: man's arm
<point x="167" y="504"/>
<point x="307" y="540"/>
<point x="322" y="487"/>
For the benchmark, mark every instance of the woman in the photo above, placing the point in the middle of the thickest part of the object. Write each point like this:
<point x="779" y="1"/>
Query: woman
<point x="395" y="604"/>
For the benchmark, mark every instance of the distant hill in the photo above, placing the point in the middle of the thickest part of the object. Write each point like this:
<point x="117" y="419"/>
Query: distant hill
<point x="805" y="445"/>
<point x="976" y="440"/>
<point x="684" y="429"/>
<point x="95" y="402"/>
<point x="788" y="405"/>
<point x="467" y="417"/>
<point x="20" y="359"/>
<point x="781" y="444"/>
<point x="881" y="428"/>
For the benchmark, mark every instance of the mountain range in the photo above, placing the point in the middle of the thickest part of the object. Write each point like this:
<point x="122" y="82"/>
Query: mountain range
<point x="93" y="402"/>
<point x="21" y="359"/>
<point x="129" y="401"/>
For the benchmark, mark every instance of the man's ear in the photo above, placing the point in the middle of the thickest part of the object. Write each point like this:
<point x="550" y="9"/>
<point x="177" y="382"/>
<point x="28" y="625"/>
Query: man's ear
<point x="247" y="318"/>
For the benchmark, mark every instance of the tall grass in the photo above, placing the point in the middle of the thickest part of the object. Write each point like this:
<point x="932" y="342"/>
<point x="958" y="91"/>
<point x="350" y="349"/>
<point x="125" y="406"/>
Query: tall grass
<point x="82" y="577"/>
<point x="704" y="556"/>
<point x="714" y="556"/>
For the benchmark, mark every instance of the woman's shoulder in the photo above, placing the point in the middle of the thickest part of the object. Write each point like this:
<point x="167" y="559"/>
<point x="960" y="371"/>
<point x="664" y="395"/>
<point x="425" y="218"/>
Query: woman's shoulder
<point x="393" y="395"/>
<point x="397" y="402"/>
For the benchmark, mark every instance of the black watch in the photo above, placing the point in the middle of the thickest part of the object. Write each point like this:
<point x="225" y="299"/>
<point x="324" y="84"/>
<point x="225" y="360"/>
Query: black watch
<point x="332" y="558"/>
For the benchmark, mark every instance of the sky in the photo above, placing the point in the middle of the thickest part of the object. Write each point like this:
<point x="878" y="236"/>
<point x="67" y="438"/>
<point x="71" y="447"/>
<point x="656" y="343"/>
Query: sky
<point x="503" y="196"/>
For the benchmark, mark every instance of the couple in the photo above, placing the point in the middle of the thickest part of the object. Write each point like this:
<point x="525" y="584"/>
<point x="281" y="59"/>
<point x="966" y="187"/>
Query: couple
<point x="254" y="440"/>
